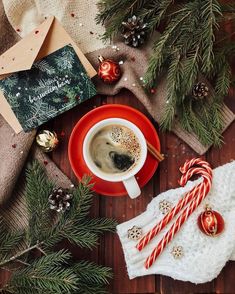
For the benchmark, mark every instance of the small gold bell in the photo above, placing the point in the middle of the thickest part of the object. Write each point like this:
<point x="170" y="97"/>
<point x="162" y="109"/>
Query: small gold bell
<point x="47" y="140"/>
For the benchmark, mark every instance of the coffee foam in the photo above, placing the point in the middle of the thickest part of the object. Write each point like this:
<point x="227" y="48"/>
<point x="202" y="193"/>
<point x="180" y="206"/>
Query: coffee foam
<point x="126" y="139"/>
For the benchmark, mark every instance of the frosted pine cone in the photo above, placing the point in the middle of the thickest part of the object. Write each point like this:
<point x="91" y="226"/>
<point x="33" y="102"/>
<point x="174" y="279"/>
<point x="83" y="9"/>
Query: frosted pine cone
<point x="59" y="200"/>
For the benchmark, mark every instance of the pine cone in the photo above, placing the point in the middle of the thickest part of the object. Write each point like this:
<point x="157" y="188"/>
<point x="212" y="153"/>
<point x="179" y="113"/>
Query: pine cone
<point x="134" y="31"/>
<point x="200" y="90"/>
<point x="59" y="200"/>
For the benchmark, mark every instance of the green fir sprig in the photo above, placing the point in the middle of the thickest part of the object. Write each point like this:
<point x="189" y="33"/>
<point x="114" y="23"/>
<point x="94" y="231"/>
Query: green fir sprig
<point x="193" y="46"/>
<point x="29" y="254"/>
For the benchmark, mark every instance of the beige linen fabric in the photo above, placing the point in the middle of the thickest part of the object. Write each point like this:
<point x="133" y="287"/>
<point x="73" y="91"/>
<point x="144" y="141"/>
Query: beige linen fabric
<point x="77" y="17"/>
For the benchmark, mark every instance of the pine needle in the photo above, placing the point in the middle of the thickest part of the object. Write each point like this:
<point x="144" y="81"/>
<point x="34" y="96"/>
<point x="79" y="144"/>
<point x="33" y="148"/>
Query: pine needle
<point x="54" y="272"/>
<point x="191" y="36"/>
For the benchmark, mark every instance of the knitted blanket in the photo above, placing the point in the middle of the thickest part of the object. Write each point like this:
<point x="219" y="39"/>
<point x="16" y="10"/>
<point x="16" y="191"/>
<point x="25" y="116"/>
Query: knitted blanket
<point x="202" y="257"/>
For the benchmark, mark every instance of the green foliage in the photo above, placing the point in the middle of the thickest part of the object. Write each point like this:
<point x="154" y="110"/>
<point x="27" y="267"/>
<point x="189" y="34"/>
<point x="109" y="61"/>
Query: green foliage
<point x="38" y="189"/>
<point x="192" y="45"/>
<point x="53" y="272"/>
<point x="93" y="276"/>
<point x="8" y="240"/>
<point x="47" y="273"/>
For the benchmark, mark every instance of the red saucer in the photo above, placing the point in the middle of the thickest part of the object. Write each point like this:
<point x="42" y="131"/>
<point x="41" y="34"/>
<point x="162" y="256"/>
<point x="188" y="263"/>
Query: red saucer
<point x="87" y="121"/>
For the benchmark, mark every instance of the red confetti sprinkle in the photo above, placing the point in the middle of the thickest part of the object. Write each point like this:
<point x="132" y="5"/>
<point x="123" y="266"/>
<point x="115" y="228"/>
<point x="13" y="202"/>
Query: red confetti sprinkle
<point x="153" y="91"/>
<point x="132" y="58"/>
<point x="14" y="145"/>
<point x="72" y="14"/>
<point x="36" y="32"/>
<point x="62" y="134"/>
<point x="45" y="162"/>
<point x="18" y="30"/>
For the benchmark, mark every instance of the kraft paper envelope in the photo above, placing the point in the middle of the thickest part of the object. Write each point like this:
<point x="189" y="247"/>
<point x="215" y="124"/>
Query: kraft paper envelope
<point x="46" y="39"/>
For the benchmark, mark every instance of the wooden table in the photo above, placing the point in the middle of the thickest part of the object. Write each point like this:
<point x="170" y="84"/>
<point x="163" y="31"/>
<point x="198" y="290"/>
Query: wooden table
<point x="109" y="251"/>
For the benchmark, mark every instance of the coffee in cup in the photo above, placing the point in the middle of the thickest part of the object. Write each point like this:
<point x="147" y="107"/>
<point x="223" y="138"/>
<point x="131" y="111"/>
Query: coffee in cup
<point x="115" y="149"/>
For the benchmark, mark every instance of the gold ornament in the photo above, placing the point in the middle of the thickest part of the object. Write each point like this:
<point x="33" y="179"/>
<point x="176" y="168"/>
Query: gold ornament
<point x="47" y="140"/>
<point x="165" y="206"/>
<point x="177" y="252"/>
<point x="135" y="233"/>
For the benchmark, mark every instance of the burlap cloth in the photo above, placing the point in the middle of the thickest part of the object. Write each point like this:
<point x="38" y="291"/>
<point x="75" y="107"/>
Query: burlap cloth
<point x="78" y="18"/>
<point x="14" y="149"/>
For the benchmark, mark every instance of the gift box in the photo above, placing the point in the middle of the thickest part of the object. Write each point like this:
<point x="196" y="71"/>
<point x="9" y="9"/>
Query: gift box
<point x="42" y="76"/>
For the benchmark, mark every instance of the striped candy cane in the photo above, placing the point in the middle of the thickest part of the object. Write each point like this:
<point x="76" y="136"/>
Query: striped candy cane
<point x="188" y="172"/>
<point x="203" y="190"/>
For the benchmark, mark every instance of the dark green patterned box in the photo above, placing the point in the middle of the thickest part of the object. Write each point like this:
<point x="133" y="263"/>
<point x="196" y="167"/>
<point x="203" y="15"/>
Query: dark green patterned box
<point x="52" y="86"/>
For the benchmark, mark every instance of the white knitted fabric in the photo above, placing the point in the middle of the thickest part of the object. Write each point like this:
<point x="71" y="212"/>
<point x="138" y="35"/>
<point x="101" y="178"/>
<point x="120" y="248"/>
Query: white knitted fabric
<point x="203" y="256"/>
<point x="77" y="17"/>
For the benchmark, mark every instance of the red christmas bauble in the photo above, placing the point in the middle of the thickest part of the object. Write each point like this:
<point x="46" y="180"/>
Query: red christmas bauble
<point x="210" y="222"/>
<point x="109" y="71"/>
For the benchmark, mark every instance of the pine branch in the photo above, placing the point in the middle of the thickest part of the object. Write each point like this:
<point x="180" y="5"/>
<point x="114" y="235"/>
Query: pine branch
<point x="223" y="80"/>
<point x="92" y="273"/>
<point x="173" y="80"/>
<point x="160" y="48"/>
<point x="38" y="189"/>
<point x="45" y="274"/>
<point x="8" y="240"/>
<point x="19" y="254"/>
<point x="99" y="225"/>
<point x="82" y="199"/>
<point x="114" y="12"/>
<point x="82" y="233"/>
<point x="190" y="29"/>
<point x="155" y="12"/>
<point x="210" y="9"/>
<point x="53" y="272"/>
<point x="190" y="70"/>
<point x="70" y="229"/>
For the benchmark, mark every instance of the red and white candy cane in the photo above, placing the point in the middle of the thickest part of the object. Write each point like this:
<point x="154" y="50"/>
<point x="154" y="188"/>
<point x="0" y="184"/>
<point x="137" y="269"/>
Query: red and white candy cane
<point x="188" y="172"/>
<point x="195" y="196"/>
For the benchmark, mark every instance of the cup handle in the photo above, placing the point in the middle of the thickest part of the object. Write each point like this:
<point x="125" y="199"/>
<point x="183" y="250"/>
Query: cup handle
<point x="132" y="187"/>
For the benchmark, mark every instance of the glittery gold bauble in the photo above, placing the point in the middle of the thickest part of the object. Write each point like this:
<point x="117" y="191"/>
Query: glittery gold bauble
<point x="47" y="140"/>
